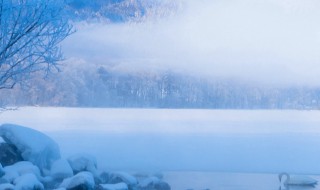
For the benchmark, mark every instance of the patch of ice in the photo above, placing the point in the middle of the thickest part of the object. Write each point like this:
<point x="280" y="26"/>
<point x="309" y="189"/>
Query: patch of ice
<point x="61" y="169"/>
<point x="81" y="179"/>
<point x="28" y="181"/>
<point x="118" y="186"/>
<point x="34" y="146"/>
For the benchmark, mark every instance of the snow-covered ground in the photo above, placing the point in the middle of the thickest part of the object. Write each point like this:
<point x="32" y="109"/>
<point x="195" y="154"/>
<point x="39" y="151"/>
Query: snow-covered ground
<point x="266" y="141"/>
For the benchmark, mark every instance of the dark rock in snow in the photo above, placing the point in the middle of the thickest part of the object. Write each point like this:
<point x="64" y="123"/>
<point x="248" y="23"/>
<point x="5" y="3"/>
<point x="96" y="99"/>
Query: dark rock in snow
<point x="9" y="154"/>
<point x="33" y="145"/>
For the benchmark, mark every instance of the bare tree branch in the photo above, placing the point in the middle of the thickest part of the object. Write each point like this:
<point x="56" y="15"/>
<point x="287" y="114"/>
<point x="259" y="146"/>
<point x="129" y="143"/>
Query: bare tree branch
<point x="30" y="34"/>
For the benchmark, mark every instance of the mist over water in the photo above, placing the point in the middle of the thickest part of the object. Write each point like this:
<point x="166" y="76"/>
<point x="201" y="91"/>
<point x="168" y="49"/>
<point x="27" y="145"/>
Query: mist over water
<point x="275" y="42"/>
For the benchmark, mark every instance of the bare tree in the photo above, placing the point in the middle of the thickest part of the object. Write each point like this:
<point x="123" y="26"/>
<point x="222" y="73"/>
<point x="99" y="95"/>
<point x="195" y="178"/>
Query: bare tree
<point x="30" y="33"/>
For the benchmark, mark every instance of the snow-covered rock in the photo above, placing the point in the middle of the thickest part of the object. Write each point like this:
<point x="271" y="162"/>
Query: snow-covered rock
<point x="104" y="177"/>
<point x="20" y="168"/>
<point x="149" y="182"/>
<point x="9" y="154"/>
<point x="118" y="177"/>
<point x="33" y="145"/>
<point x="61" y="169"/>
<point x="6" y="186"/>
<point x="162" y="186"/>
<point x="153" y="183"/>
<point x="82" y="180"/>
<point x="117" y="186"/>
<point x="83" y="162"/>
<point x="27" y="181"/>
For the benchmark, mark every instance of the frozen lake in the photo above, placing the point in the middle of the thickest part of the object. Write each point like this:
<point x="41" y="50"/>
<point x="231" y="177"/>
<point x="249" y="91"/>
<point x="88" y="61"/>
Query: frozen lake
<point x="208" y="141"/>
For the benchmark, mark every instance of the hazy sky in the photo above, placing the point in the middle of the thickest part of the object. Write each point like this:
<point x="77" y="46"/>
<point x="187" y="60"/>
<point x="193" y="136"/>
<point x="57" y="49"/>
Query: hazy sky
<point x="276" y="41"/>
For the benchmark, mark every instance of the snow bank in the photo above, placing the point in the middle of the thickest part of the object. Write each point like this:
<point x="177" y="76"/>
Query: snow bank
<point x="34" y="146"/>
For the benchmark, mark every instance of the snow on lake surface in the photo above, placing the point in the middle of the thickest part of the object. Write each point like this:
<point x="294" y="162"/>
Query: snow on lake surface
<point x="256" y="141"/>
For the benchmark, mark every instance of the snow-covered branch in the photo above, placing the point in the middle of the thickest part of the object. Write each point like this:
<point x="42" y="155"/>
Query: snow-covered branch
<point x="30" y="33"/>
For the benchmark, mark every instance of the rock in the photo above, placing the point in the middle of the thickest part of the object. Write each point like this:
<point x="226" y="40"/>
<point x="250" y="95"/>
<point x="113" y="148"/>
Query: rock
<point x="118" y="186"/>
<point x="81" y="181"/>
<point x="154" y="183"/>
<point x="33" y="145"/>
<point x="162" y="186"/>
<point x="83" y="162"/>
<point x="149" y="183"/>
<point x="9" y="154"/>
<point x="27" y="181"/>
<point x="20" y="168"/>
<point x="6" y="186"/>
<point x="119" y="177"/>
<point x="104" y="177"/>
<point x="61" y="169"/>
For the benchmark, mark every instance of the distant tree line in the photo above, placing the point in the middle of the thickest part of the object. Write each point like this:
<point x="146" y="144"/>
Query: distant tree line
<point x="104" y="86"/>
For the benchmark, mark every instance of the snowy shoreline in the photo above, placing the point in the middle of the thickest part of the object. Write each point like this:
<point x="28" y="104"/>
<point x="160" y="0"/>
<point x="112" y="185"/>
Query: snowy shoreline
<point x="31" y="160"/>
<point x="253" y="141"/>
